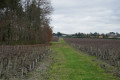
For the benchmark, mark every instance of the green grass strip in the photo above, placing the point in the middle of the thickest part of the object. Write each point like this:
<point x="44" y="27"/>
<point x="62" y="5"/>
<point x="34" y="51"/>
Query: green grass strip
<point x="71" y="64"/>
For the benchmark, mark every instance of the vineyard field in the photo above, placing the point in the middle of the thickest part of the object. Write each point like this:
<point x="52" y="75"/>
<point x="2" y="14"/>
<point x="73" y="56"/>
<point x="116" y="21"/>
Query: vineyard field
<point x="55" y="39"/>
<point x="108" y="50"/>
<point x="16" y="61"/>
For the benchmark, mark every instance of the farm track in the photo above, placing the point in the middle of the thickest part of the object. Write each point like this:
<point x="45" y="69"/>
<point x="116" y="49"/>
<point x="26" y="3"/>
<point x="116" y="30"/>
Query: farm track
<point x="71" y="64"/>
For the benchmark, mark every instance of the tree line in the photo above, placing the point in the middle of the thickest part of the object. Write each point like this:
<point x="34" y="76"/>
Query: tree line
<point x="25" y="21"/>
<point x="111" y="35"/>
<point x="97" y="35"/>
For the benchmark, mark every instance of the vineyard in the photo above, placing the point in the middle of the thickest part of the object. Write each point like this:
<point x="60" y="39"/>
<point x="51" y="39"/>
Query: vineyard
<point x="19" y="60"/>
<point x="55" y="39"/>
<point x="29" y="46"/>
<point x="25" y="32"/>
<point x="108" y="50"/>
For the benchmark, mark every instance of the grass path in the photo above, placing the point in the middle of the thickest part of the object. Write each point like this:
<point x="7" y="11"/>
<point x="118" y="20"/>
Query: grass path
<point x="71" y="64"/>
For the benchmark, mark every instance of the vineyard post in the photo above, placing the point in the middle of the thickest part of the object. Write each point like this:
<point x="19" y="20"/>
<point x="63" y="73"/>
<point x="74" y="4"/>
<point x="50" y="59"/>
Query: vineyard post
<point x="15" y="63"/>
<point x="22" y="72"/>
<point x="99" y="52"/>
<point x="9" y="62"/>
<point x="91" y="49"/>
<point x="118" y="64"/>
<point x="1" y="67"/>
<point x="33" y="64"/>
<point x="38" y="58"/>
<point x="30" y="67"/>
<point x="36" y="61"/>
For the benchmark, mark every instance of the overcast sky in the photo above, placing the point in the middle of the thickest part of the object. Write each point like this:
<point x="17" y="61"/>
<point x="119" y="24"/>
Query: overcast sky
<point x="71" y="16"/>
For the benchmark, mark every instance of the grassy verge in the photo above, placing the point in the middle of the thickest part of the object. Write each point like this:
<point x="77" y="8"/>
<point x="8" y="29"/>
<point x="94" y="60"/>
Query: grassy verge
<point x="71" y="64"/>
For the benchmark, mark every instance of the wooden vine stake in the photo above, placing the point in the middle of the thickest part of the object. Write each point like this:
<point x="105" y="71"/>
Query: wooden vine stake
<point x="1" y="67"/>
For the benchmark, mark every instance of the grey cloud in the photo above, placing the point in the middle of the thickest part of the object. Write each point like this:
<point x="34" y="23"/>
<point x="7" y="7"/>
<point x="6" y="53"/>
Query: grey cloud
<point x="72" y="16"/>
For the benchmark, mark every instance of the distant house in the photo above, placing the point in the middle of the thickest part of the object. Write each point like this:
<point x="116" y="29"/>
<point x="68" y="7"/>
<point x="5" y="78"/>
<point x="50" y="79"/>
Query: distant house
<point x="118" y="36"/>
<point x="111" y="36"/>
<point x="64" y="35"/>
<point x="100" y="37"/>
